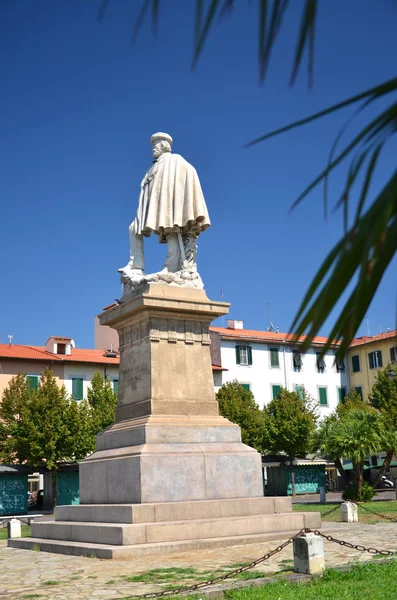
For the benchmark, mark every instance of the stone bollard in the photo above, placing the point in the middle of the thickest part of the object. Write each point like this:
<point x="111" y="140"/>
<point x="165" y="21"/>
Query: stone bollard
<point x="348" y="512"/>
<point x="14" y="528"/>
<point x="309" y="554"/>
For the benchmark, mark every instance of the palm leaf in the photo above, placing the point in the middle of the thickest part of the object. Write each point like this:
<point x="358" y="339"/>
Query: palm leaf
<point x="306" y="36"/>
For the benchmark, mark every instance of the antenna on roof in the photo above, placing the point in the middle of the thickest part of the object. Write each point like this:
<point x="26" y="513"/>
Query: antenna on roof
<point x="222" y="301"/>
<point x="10" y="339"/>
<point x="367" y="326"/>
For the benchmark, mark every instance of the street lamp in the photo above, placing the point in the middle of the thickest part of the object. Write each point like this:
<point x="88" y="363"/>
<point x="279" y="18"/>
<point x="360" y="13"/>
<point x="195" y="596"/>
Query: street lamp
<point x="391" y="374"/>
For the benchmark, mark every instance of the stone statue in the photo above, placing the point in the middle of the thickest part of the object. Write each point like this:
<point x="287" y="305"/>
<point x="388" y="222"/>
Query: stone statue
<point x="172" y="205"/>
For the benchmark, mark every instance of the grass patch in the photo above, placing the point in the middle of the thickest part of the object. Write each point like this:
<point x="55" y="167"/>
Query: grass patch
<point x="26" y="596"/>
<point x="365" y="581"/>
<point x="51" y="582"/>
<point x="110" y="582"/>
<point x="26" y="531"/>
<point x="161" y="575"/>
<point x="385" y="507"/>
<point x="35" y="548"/>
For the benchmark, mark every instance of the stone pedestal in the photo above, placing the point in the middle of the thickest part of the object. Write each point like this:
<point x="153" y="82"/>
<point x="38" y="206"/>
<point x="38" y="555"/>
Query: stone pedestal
<point x="170" y="474"/>
<point x="309" y="554"/>
<point x="348" y="512"/>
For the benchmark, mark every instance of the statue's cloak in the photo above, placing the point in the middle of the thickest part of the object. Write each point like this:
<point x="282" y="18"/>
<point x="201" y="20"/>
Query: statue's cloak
<point x="171" y="199"/>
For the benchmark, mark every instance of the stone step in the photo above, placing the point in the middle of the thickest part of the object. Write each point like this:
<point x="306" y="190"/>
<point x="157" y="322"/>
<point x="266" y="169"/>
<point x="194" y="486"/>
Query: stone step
<point x="132" y="551"/>
<point x="172" y="511"/>
<point x="172" y="531"/>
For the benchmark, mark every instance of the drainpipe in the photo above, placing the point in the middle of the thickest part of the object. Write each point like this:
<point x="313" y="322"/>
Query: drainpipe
<point x="285" y="367"/>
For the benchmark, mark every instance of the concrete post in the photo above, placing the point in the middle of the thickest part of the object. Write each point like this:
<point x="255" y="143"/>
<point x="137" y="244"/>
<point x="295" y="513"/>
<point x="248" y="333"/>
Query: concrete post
<point x="322" y="494"/>
<point x="309" y="554"/>
<point x="14" y="528"/>
<point x="348" y="512"/>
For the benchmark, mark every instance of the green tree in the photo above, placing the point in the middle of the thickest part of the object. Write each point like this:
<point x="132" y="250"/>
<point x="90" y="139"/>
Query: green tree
<point x="359" y="434"/>
<point x="238" y="405"/>
<point x="102" y="402"/>
<point x="15" y="425"/>
<point x="364" y="252"/>
<point x="351" y="401"/>
<point x="383" y="396"/>
<point x="290" y="423"/>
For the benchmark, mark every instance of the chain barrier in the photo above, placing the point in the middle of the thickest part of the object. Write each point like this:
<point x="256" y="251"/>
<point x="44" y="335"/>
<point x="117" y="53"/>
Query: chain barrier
<point x="331" y="510"/>
<point x="5" y="521"/>
<point x="202" y="584"/>
<point x="375" y="513"/>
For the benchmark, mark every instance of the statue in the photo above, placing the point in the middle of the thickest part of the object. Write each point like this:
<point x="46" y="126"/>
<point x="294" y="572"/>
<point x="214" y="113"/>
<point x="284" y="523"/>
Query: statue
<point x="172" y="205"/>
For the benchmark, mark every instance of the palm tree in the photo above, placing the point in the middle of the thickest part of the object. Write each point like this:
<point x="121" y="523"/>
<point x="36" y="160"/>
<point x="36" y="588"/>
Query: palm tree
<point x="362" y="255"/>
<point x="360" y="434"/>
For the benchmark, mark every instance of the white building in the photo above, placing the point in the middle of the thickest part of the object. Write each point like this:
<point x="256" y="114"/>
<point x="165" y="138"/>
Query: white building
<point x="265" y="361"/>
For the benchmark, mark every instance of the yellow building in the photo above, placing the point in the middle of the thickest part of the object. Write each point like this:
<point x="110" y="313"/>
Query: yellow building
<point x="366" y="356"/>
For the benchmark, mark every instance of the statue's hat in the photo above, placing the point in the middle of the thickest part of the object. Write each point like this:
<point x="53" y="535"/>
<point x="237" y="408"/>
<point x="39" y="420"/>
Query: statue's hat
<point x="160" y="136"/>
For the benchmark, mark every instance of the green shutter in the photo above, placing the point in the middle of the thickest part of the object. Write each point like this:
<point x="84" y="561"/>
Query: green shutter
<point x="116" y="386"/>
<point x="33" y="381"/>
<point x="359" y="390"/>
<point x="275" y="390"/>
<point x="238" y="355"/>
<point x="246" y="386"/>
<point x="249" y="352"/>
<point x="77" y="388"/>
<point x="299" y="389"/>
<point x="342" y="394"/>
<point x="323" y="396"/>
<point x="355" y="363"/>
<point x="380" y="361"/>
<point x="274" y="362"/>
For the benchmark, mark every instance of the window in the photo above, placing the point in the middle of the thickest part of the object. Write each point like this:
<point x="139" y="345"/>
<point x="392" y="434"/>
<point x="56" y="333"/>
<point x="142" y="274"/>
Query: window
<point x="393" y="354"/>
<point x="77" y="388"/>
<point x="341" y="394"/>
<point x="340" y="365"/>
<point x="320" y="363"/>
<point x="359" y="391"/>
<point x="275" y="390"/>
<point x="300" y="390"/>
<point x="116" y="386"/>
<point x="246" y="386"/>
<point x="61" y="348"/>
<point x="244" y="355"/>
<point x="356" y="363"/>
<point x="296" y="360"/>
<point x="33" y="381"/>
<point x="322" y="396"/>
<point x="375" y="359"/>
<point x="274" y="361"/>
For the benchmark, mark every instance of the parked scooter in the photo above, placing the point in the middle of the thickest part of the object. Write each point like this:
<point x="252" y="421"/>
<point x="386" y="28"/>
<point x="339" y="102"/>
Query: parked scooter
<point x="386" y="483"/>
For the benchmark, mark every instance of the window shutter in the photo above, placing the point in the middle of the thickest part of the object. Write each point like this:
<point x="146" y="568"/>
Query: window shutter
<point x="380" y="361"/>
<point x="393" y="353"/>
<point x="33" y="381"/>
<point x="116" y="386"/>
<point x="342" y="394"/>
<point x="275" y="390"/>
<point x="371" y="360"/>
<point x="77" y="388"/>
<point x="246" y="386"/>
<point x="238" y="355"/>
<point x="359" y="390"/>
<point x="355" y="363"/>
<point x="249" y="350"/>
<point x="323" y="396"/>
<point x="274" y="362"/>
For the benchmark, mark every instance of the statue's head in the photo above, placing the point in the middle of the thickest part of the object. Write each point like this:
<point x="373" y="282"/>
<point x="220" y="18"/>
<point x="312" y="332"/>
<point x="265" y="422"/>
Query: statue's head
<point x="161" y="142"/>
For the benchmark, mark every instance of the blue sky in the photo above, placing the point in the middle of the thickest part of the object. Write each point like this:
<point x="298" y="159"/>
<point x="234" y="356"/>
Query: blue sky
<point x="77" y="108"/>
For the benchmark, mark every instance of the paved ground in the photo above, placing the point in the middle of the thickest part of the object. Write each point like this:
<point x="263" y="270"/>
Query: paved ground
<point x="24" y="573"/>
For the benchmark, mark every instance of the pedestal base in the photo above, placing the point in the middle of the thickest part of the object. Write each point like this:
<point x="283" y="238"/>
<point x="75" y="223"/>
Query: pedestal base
<point x="124" y="531"/>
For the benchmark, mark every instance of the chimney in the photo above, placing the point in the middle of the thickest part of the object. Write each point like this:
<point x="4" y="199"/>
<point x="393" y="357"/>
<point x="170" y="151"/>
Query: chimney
<point x="10" y="340"/>
<point x="233" y="324"/>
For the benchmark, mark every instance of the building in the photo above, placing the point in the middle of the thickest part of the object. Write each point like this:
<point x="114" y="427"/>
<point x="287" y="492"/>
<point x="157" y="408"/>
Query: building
<point x="71" y="366"/>
<point x="368" y="354"/>
<point x="265" y="361"/>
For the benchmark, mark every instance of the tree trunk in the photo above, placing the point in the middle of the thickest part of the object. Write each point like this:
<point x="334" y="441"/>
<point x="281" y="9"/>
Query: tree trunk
<point x="358" y="473"/>
<point x="385" y="466"/>
<point x="339" y="466"/>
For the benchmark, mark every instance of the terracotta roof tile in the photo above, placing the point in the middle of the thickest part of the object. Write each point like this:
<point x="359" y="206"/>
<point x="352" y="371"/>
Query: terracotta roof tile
<point x="368" y="339"/>
<point x="265" y="336"/>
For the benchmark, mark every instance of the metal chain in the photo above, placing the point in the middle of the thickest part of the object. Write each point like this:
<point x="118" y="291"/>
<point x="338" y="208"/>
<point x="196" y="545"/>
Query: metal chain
<point x="330" y="511"/>
<point x="202" y="584"/>
<point x="5" y="521"/>
<point x="359" y="547"/>
<point x="375" y="513"/>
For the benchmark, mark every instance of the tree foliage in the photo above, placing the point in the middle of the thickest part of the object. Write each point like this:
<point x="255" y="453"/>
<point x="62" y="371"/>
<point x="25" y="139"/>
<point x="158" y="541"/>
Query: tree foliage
<point x="383" y="396"/>
<point x="45" y="427"/>
<point x="238" y="405"/>
<point x="290" y="423"/>
<point x="362" y="255"/>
